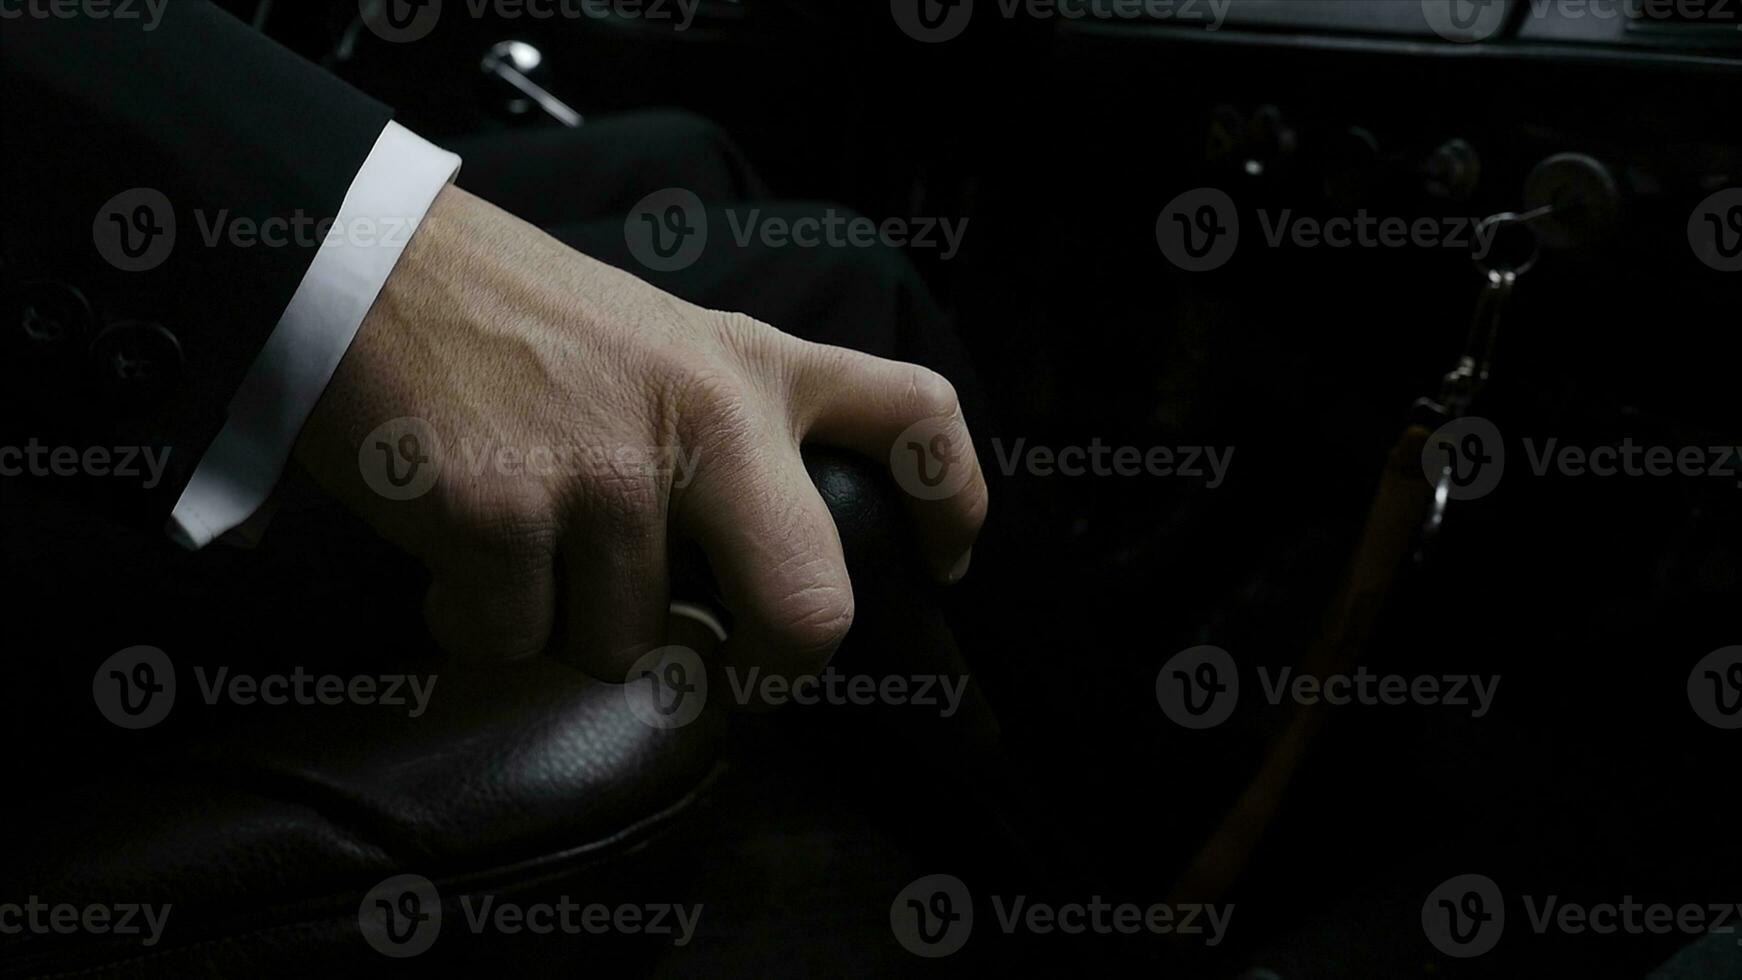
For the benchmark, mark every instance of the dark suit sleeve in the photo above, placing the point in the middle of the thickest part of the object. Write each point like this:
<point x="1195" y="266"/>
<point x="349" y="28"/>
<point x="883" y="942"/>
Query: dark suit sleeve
<point x="135" y="158"/>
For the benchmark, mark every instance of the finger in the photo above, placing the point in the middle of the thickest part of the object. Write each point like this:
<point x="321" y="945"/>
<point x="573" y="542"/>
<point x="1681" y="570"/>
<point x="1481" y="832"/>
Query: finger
<point x="496" y="602"/>
<point x="776" y="555"/>
<point x="615" y="586"/>
<point x="908" y="416"/>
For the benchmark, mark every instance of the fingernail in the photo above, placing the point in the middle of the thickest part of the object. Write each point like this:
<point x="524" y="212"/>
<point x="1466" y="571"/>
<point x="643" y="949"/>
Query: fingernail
<point x="961" y="566"/>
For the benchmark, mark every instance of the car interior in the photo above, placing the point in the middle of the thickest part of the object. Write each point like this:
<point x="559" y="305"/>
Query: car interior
<point x="1563" y="157"/>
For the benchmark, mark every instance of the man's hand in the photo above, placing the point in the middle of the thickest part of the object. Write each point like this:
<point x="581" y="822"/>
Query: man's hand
<point x="518" y="351"/>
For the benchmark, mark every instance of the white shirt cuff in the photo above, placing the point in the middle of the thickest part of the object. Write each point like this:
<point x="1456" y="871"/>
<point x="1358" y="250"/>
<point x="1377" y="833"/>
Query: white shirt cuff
<point x="385" y="204"/>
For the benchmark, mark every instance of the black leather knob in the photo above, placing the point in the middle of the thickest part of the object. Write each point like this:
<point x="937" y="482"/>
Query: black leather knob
<point x="876" y="536"/>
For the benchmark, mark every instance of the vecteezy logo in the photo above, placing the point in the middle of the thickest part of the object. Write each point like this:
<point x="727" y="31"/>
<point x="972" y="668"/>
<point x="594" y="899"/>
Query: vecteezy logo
<point x="401" y="916"/>
<point x="928" y="463"/>
<point x="668" y="687"/>
<point x="933" y="916"/>
<point x="400" y="21"/>
<point x="1464" y="916"/>
<point x="135" y="230"/>
<point x="932" y="21"/>
<point x="401" y="459"/>
<point x="1465" y="21"/>
<point x="135" y="688"/>
<point x="1715" y="231"/>
<point x="1715" y="688"/>
<point x="1466" y="457"/>
<point x="667" y="230"/>
<point x="1198" y="687"/>
<point x="1199" y="230"/>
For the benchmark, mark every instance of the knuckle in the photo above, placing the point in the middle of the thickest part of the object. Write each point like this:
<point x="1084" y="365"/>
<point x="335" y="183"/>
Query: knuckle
<point x="707" y="407"/>
<point x="931" y="394"/>
<point x="625" y="498"/>
<point x="758" y="347"/>
<point x="703" y="389"/>
<point x="510" y="522"/>
<point x="827" y="366"/>
<point x="815" y="621"/>
<point x="740" y="327"/>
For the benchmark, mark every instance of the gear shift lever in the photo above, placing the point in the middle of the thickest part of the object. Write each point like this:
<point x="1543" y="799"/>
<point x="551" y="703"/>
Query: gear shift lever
<point x="515" y="64"/>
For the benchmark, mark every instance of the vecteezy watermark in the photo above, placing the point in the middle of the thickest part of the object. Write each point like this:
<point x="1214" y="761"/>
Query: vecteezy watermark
<point x="1466" y="916"/>
<point x="668" y="230"/>
<point x="402" y="917"/>
<point x="1475" y="21"/>
<point x="1631" y="459"/>
<point x="1715" y="230"/>
<point x="1468" y="457"/>
<point x="40" y="918"/>
<point x="408" y="691"/>
<point x="1364" y="230"/>
<point x="1207" y="463"/>
<point x="144" y="463"/>
<point x="935" y="21"/>
<point x="933" y="917"/>
<point x="401" y="21"/>
<point x="928" y="462"/>
<point x="675" y="465"/>
<point x="932" y="21"/>
<point x="402" y="459"/>
<point x="135" y="231"/>
<point x="1713" y="13"/>
<point x="1727" y="13"/>
<point x="931" y="465"/>
<point x="934" y="692"/>
<point x="834" y="229"/>
<point x="1199" y="687"/>
<point x="149" y="13"/>
<point x="1715" y="688"/>
<point x="300" y="229"/>
<point x="668" y="688"/>
<point x="1199" y="231"/>
<point x="136" y="688"/>
<point x="1466" y="21"/>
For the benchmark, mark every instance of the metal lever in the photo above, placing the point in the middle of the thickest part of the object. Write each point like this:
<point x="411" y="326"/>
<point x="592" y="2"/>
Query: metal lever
<point x="513" y="62"/>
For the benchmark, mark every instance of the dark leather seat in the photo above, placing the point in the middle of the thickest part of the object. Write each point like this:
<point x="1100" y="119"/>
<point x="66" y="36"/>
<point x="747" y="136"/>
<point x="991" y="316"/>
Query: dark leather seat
<point x="266" y="832"/>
